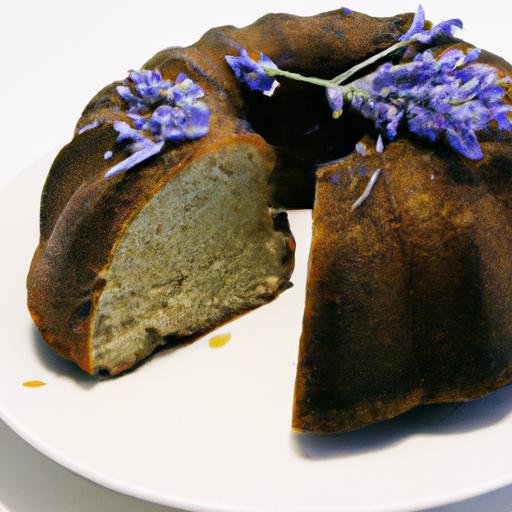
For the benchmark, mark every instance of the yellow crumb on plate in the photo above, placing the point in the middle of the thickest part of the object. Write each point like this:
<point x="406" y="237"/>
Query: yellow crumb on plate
<point x="34" y="383"/>
<point x="219" y="341"/>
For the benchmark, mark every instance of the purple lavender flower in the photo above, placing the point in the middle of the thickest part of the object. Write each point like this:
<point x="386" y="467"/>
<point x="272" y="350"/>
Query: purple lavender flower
<point x="438" y="33"/>
<point x="177" y="124"/>
<point x="184" y="91"/>
<point x="251" y="72"/>
<point x="149" y="84"/>
<point x="451" y="97"/>
<point x="143" y="89"/>
<point x="89" y="126"/>
<point x="361" y="148"/>
<point x="367" y="191"/>
<point x="136" y="158"/>
<point x="162" y="118"/>
<point x="416" y="26"/>
<point x="335" y="99"/>
<point x="126" y="132"/>
<point x="138" y="120"/>
<point x="379" y="146"/>
<point x="159" y="111"/>
<point x="140" y="146"/>
<point x="198" y="119"/>
<point x="135" y="103"/>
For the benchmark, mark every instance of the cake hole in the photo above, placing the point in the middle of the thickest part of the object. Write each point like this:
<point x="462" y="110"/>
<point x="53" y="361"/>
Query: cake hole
<point x="298" y="122"/>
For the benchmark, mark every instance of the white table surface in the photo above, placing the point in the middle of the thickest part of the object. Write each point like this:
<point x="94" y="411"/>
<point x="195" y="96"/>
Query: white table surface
<point x="55" y="55"/>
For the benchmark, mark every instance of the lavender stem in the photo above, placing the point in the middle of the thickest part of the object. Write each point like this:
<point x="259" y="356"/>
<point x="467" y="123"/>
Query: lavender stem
<point x="343" y="77"/>
<point x="296" y="76"/>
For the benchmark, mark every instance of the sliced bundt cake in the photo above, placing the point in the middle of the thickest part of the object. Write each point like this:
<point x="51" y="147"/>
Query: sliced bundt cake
<point x="189" y="238"/>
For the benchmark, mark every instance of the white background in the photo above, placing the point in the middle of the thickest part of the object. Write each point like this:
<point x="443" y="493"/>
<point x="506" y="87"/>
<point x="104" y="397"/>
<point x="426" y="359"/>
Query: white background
<point x="55" y="55"/>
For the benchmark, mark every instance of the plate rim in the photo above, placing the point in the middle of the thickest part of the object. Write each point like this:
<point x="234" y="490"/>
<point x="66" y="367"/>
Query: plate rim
<point x="422" y="503"/>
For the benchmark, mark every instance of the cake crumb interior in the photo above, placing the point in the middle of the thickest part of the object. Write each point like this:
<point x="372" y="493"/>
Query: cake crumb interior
<point x="201" y="249"/>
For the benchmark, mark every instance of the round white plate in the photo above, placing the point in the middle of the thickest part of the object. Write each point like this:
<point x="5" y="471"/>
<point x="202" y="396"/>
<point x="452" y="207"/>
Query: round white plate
<point x="208" y="429"/>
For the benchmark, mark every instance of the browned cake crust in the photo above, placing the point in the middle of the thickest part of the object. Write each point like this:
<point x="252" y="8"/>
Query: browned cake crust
<point x="409" y="297"/>
<point x="83" y="216"/>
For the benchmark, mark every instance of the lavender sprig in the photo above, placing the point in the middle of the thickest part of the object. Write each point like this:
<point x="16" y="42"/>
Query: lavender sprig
<point x="255" y="74"/>
<point x="335" y="100"/>
<point x="135" y="158"/>
<point x="439" y="33"/>
<point x="259" y="75"/>
<point x="160" y="111"/>
<point x="450" y="97"/>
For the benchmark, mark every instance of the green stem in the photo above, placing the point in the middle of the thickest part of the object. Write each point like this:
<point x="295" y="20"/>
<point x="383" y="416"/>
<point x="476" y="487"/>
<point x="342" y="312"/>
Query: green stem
<point x="374" y="58"/>
<point x="296" y="76"/>
<point x="338" y="80"/>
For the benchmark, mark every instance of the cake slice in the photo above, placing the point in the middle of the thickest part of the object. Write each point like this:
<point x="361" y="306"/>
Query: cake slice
<point x="193" y="254"/>
<point x="409" y="295"/>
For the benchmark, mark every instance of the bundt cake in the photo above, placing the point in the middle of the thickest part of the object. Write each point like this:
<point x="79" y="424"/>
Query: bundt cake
<point x="191" y="238"/>
<point x="409" y="272"/>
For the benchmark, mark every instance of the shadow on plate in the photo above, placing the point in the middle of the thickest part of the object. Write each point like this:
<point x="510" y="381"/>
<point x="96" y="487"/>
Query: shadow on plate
<point x="453" y="418"/>
<point x="57" y="365"/>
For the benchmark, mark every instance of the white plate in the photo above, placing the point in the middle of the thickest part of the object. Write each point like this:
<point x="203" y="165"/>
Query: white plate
<point x="209" y="429"/>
